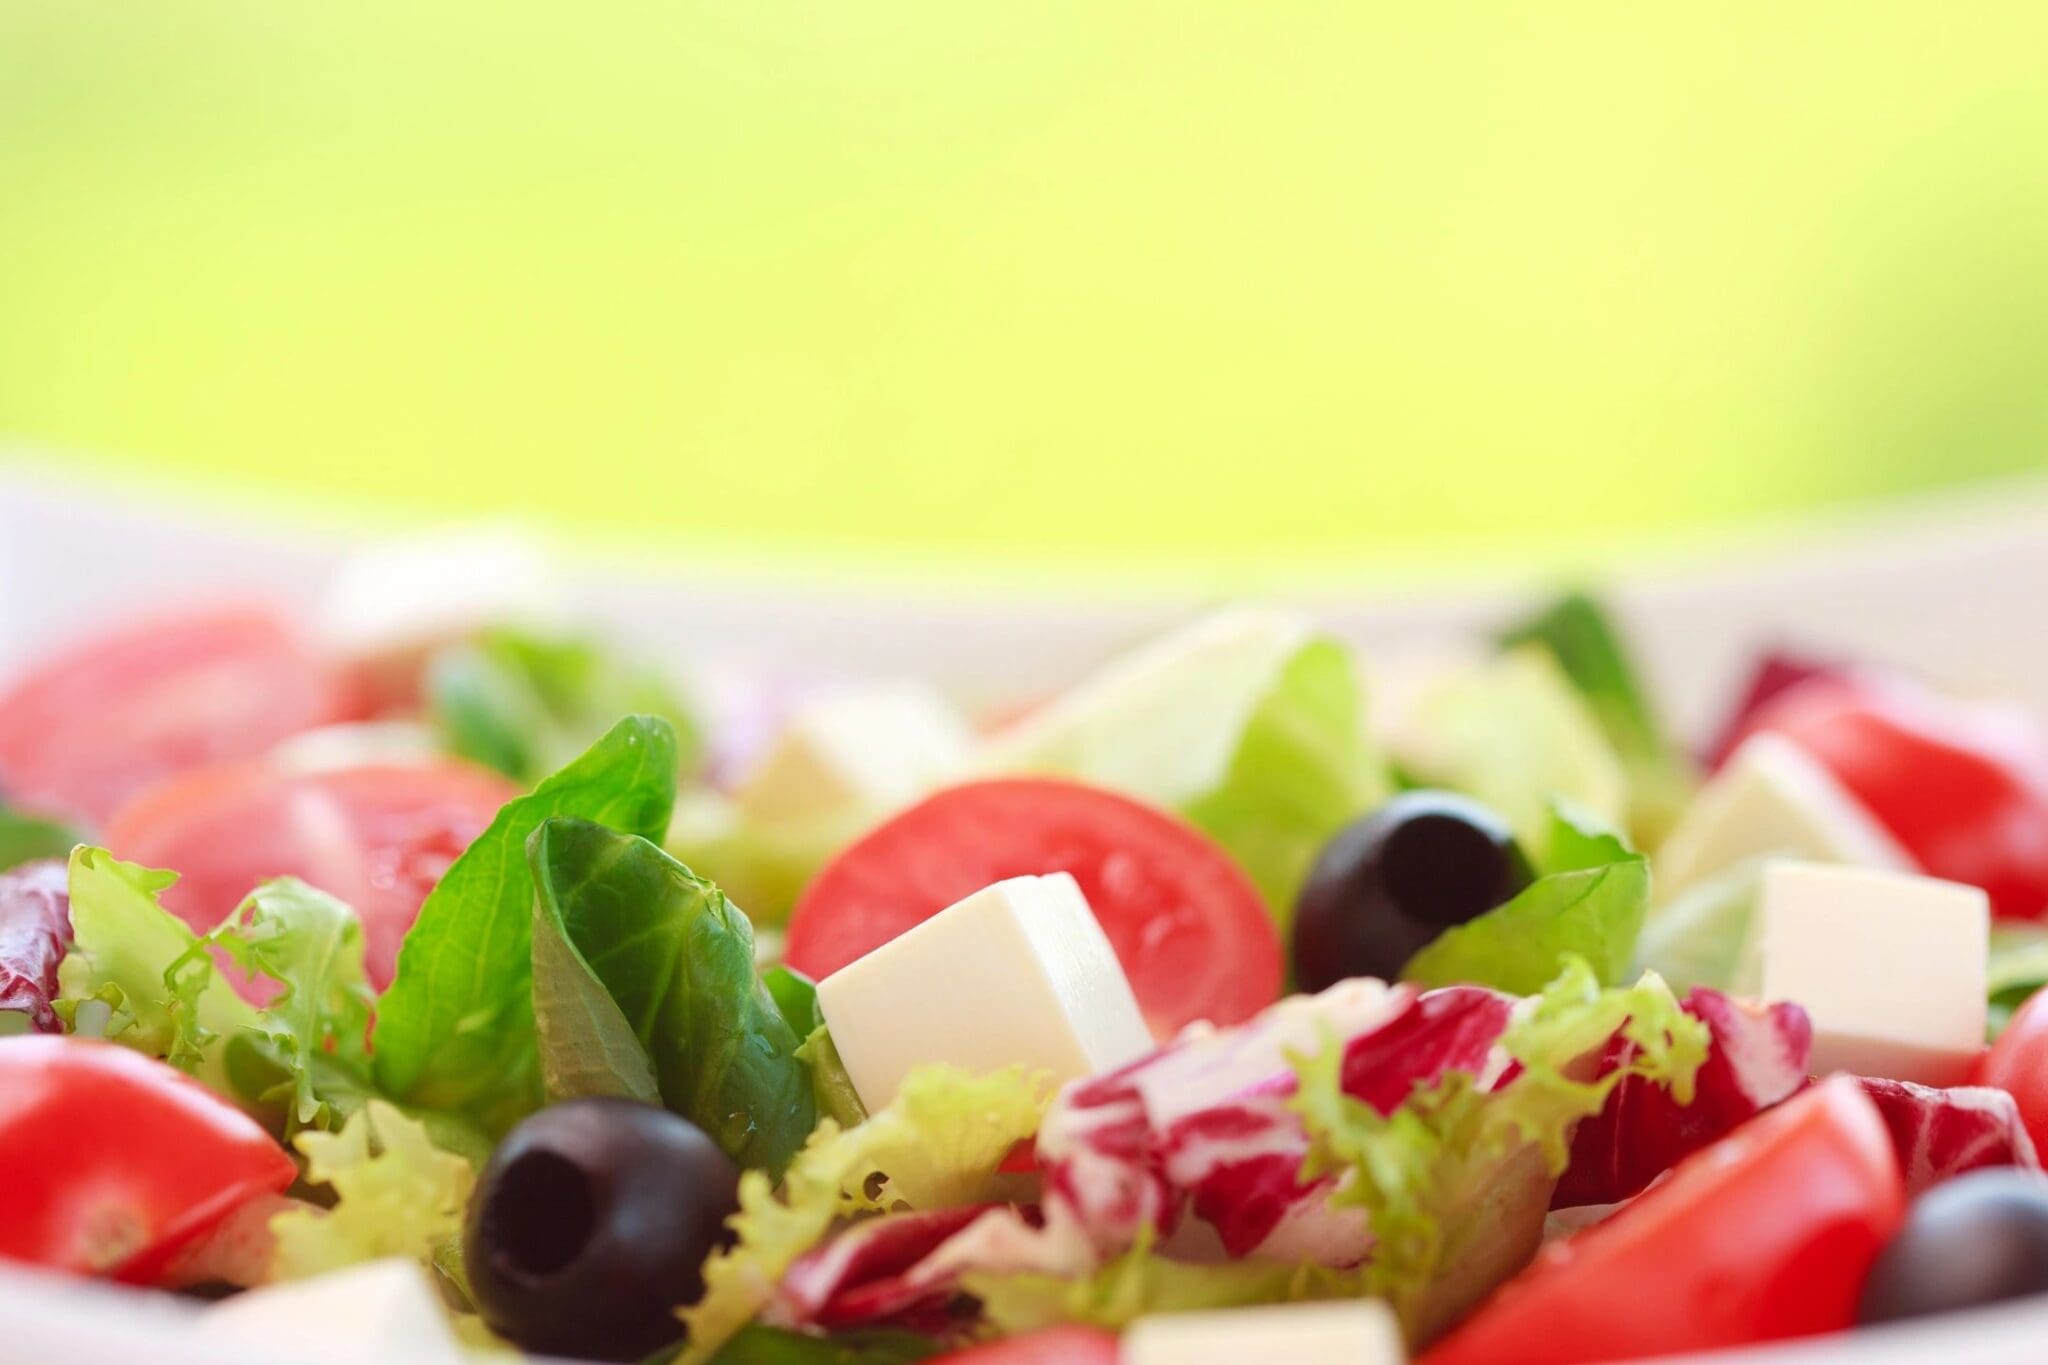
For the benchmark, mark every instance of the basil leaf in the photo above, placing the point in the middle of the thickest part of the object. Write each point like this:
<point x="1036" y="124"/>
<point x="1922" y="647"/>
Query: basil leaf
<point x="24" y="838"/>
<point x="524" y="704"/>
<point x="677" y="959"/>
<point x="586" y="1045"/>
<point x="758" y="1345"/>
<point x="455" y="1031"/>
<point x="1593" y="908"/>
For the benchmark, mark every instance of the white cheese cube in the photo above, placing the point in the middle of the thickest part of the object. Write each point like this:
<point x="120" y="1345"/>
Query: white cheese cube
<point x="411" y="594"/>
<point x="1017" y="973"/>
<point x="865" y="750"/>
<point x="385" y="1310"/>
<point x="1356" y="1331"/>
<point x="1890" y="966"/>
<point x="1772" y="798"/>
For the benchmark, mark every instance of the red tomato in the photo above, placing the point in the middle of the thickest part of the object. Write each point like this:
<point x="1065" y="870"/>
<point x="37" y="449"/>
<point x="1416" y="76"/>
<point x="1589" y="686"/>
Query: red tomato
<point x="1767" y="1234"/>
<point x="1051" y="1346"/>
<point x="113" y="1160"/>
<point x="1963" y="786"/>
<point x="378" y="837"/>
<point x="2018" y="1064"/>
<point x="1188" y="926"/>
<point x="99" y="722"/>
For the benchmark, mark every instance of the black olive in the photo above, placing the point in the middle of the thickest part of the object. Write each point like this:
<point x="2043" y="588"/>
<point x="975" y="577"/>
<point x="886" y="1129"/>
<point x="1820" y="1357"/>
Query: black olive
<point x="1980" y="1238"/>
<point x="1390" y="882"/>
<point x="590" y="1225"/>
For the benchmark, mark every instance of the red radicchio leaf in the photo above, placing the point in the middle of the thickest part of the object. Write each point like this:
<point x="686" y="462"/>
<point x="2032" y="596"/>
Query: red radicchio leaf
<point x="35" y="924"/>
<point x="1942" y="1133"/>
<point x="869" y="1272"/>
<point x="1775" y="675"/>
<point x="1757" y="1056"/>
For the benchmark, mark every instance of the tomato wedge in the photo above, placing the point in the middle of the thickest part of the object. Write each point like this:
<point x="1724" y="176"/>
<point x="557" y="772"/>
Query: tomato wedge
<point x="100" y="721"/>
<point x="1962" y="786"/>
<point x="114" y="1161"/>
<point x="377" y="836"/>
<point x="1051" y="1346"/>
<point x="1188" y="926"/>
<point x="2018" y="1064"/>
<point x="1767" y="1234"/>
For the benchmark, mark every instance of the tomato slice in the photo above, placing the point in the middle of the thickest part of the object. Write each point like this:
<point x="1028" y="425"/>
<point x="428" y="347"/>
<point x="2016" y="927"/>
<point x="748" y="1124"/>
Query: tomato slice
<point x="113" y="1160"/>
<point x="1962" y="786"/>
<point x="100" y="721"/>
<point x="2018" y="1064"/>
<point x="1186" y="923"/>
<point x="1051" y="1346"/>
<point x="377" y="836"/>
<point x="1767" y="1234"/>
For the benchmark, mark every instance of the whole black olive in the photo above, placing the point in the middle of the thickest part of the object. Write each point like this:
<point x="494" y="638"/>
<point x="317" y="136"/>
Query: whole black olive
<point x="1980" y="1238"/>
<point x="590" y="1225"/>
<point x="1390" y="882"/>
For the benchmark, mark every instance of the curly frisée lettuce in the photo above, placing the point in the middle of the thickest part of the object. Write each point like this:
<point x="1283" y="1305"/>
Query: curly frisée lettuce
<point x="1456" y="1180"/>
<point x="937" y="1145"/>
<point x="395" y="1194"/>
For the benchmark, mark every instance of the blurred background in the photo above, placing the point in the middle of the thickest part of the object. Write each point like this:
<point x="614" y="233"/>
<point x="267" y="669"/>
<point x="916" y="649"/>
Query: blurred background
<point x="1208" y="286"/>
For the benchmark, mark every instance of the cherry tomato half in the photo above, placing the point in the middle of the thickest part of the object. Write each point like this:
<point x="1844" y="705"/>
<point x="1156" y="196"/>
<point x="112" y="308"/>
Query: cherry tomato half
<point x="1769" y="1233"/>
<point x="1186" y="923"/>
<point x="1962" y="786"/>
<point x="377" y="836"/>
<point x="114" y="1161"/>
<point x="100" y="721"/>
<point x="1052" y="1346"/>
<point x="2018" y="1064"/>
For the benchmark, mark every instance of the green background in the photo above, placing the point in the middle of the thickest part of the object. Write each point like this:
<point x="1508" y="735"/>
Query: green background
<point x="1087" y="282"/>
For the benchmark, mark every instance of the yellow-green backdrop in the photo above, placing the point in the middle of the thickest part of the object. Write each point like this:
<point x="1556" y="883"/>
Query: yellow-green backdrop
<point x="1059" y="280"/>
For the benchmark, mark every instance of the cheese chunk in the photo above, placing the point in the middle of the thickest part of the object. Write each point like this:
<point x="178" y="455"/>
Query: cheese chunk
<point x="1890" y="966"/>
<point x="1017" y="973"/>
<point x="866" y="750"/>
<point x="385" y="1310"/>
<point x="1357" y="1332"/>
<point x="1772" y="798"/>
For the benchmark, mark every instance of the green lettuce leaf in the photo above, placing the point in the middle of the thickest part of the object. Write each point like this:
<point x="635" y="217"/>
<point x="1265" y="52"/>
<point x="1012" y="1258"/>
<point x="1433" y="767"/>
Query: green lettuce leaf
<point x="2018" y="967"/>
<point x="758" y="1345"/>
<point x="455" y="1031"/>
<point x="1247" y="722"/>
<point x="1579" y="635"/>
<point x="1591" y="908"/>
<point x="1699" y="936"/>
<point x="1456" y="1181"/>
<point x="395" y="1194"/>
<point x="764" y="864"/>
<point x="1139" y="1283"/>
<point x="675" y="958"/>
<point x="527" y="705"/>
<point x="796" y="996"/>
<point x="937" y="1145"/>
<point x="1515" y="734"/>
<point x="25" y="838"/>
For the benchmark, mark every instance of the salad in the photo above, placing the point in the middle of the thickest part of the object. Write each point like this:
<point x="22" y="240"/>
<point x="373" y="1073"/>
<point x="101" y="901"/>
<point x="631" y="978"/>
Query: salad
<point x="423" y="977"/>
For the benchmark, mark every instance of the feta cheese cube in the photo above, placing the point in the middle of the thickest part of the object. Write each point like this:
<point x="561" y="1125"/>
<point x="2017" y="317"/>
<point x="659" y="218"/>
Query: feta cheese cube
<point x="385" y="1310"/>
<point x="865" y="750"/>
<point x="1357" y="1332"/>
<point x="1890" y="966"/>
<point x="1772" y="798"/>
<point x="1017" y="973"/>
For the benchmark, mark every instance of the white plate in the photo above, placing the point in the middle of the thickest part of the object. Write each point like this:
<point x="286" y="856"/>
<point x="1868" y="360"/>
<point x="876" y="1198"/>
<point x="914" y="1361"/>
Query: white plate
<point x="1954" y="589"/>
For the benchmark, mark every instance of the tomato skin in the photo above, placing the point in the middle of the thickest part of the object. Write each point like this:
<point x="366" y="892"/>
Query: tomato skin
<point x="1188" y="926"/>
<point x="1962" y="786"/>
<point x="98" y="722"/>
<point x="377" y="836"/>
<point x="114" y="1160"/>
<point x="2018" y="1064"/>
<point x="1767" y="1234"/>
<point x="1049" y="1346"/>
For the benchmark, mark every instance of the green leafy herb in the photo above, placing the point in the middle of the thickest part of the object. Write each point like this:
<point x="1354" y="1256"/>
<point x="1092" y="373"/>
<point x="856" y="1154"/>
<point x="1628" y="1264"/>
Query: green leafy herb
<point x="1456" y="1180"/>
<point x="1591" y="909"/>
<point x="1580" y="636"/>
<point x="25" y="838"/>
<point x="758" y="1345"/>
<point x="456" y="1029"/>
<point x="797" y="997"/>
<point x="526" y="705"/>
<point x="676" y="959"/>
<point x="2018" y="968"/>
